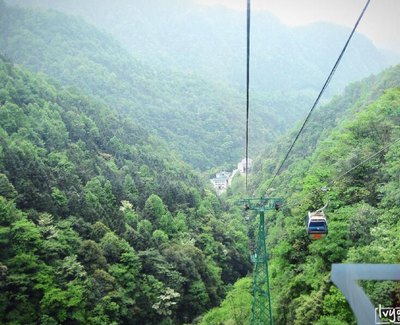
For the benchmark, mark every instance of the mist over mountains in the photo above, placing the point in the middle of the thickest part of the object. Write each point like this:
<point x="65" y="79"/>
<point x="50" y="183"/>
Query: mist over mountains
<point x="211" y="41"/>
<point x="198" y="117"/>
<point x="178" y="68"/>
<point x="109" y="110"/>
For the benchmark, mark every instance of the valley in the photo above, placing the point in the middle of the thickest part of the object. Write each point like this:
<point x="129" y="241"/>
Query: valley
<point x="115" y="116"/>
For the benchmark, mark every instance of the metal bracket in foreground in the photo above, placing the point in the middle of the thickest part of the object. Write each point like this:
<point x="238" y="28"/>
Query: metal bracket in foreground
<point x="345" y="277"/>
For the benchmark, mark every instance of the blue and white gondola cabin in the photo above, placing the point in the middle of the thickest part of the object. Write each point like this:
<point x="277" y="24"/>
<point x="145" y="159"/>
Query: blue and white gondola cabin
<point x="317" y="224"/>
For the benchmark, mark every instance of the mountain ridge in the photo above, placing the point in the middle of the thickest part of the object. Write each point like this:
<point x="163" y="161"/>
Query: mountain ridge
<point x="140" y="91"/>
<point x="206" y="40"/>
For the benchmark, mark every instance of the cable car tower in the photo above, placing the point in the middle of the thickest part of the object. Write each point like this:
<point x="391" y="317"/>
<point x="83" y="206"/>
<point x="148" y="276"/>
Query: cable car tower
<point x="261" y="311"/>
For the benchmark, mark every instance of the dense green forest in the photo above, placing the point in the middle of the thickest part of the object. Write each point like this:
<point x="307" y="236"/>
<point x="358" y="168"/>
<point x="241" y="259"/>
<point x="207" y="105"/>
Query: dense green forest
<point x="105" y="217"/>
<point x="200" y="119"/>
<point x="363" y="215"/>
<point x="98" y="223"/>
<point x="211" y="41"/>
<point x="198" y="114"/>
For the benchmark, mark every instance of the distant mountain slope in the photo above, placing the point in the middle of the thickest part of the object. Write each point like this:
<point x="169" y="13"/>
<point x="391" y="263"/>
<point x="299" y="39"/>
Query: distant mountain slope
<point x="99" y="222"/>
<point x="201" y="120"/>
<point x="356" y="97"/>
<point x="44" y="125"/>
<point x="211" y="41"/>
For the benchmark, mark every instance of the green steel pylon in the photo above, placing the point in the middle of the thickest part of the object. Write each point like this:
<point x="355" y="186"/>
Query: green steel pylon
<point x="261" y="311"/>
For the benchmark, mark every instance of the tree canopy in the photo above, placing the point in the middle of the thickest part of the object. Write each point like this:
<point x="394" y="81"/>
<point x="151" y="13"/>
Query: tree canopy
<point x="99" y="224"/>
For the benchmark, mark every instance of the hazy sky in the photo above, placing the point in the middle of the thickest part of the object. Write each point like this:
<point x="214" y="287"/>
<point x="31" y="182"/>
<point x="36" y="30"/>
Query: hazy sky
<point x="381" y="22"/>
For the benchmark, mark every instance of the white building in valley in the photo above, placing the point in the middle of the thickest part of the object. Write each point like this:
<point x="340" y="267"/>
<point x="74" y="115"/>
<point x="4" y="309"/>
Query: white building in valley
<point x="221" y="181"/>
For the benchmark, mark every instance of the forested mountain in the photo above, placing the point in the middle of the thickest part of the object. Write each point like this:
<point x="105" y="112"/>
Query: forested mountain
<point x="204" y="110"/>
<point x="104" y="220"/>
<point x="99" y="224"/>
<point x="355" y="98"/>
<point x="363" y="212"/>
<point x="212" y="40"/>
<point x="201" y="120"/>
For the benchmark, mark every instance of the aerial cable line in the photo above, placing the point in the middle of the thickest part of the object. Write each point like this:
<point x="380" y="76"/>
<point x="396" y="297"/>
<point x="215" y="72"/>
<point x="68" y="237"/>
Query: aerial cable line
<point x="333" y="181"/>
<point x="320" y="94"/>
<point x="363" y="162"/>
<point x="261" y="309"/>
<point x="247" y="90"/>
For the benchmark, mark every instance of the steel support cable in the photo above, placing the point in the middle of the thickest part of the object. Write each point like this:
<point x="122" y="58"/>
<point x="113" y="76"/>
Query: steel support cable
<point x="247" y="90"/>
<point x="320" y="94"/>
<point x="333" y="181"/>
<point x="363" y="162"/>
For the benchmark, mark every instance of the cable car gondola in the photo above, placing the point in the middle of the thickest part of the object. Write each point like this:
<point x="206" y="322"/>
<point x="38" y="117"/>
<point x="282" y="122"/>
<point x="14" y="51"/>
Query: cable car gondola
<point x="317" y="226"/>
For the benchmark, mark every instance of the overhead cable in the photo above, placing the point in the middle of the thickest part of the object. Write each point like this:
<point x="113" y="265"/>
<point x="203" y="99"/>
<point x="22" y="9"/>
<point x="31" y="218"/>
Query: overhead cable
<point x="247" y="91"/>
<point x="320" y="94"/>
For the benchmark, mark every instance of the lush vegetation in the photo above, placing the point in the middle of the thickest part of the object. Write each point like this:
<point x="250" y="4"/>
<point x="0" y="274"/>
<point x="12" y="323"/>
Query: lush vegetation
<point x="363" y="215"/>
<point x="201" y="120"/>
<point x="102" y="221"/>
<point x="99" y="224"/>
<point x="211" y="41"/>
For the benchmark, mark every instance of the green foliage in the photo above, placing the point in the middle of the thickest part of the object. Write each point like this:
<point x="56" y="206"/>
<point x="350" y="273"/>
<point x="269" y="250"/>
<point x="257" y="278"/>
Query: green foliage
<point x="64" y="304"/>
<point x="91" y="256"/>
<point x="98" y="223"/>
<point x="159" y="237"/>
<point x="235" y="309"/>
<point x="336" y="307"/>
<point x="102" y="223"/>
<point x="363" y="214"/>
<point x="154" y="209"/>
<point x="7" y="190"/>
<point x="362" y="223"/>
<point x="195" y="116"/>
<point x="25" y="236"/>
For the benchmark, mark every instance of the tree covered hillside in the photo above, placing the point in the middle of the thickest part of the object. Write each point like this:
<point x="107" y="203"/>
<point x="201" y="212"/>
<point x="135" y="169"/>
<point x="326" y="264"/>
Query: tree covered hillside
<point x="363" y="212"/>
<point x="364" y="217"/>
<point x="105" y="218"/>
<point x="99" y="224"/>
<point x="201" y="120"/>
<point x="356" y="97"/>
<point x="211" y="41"/>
